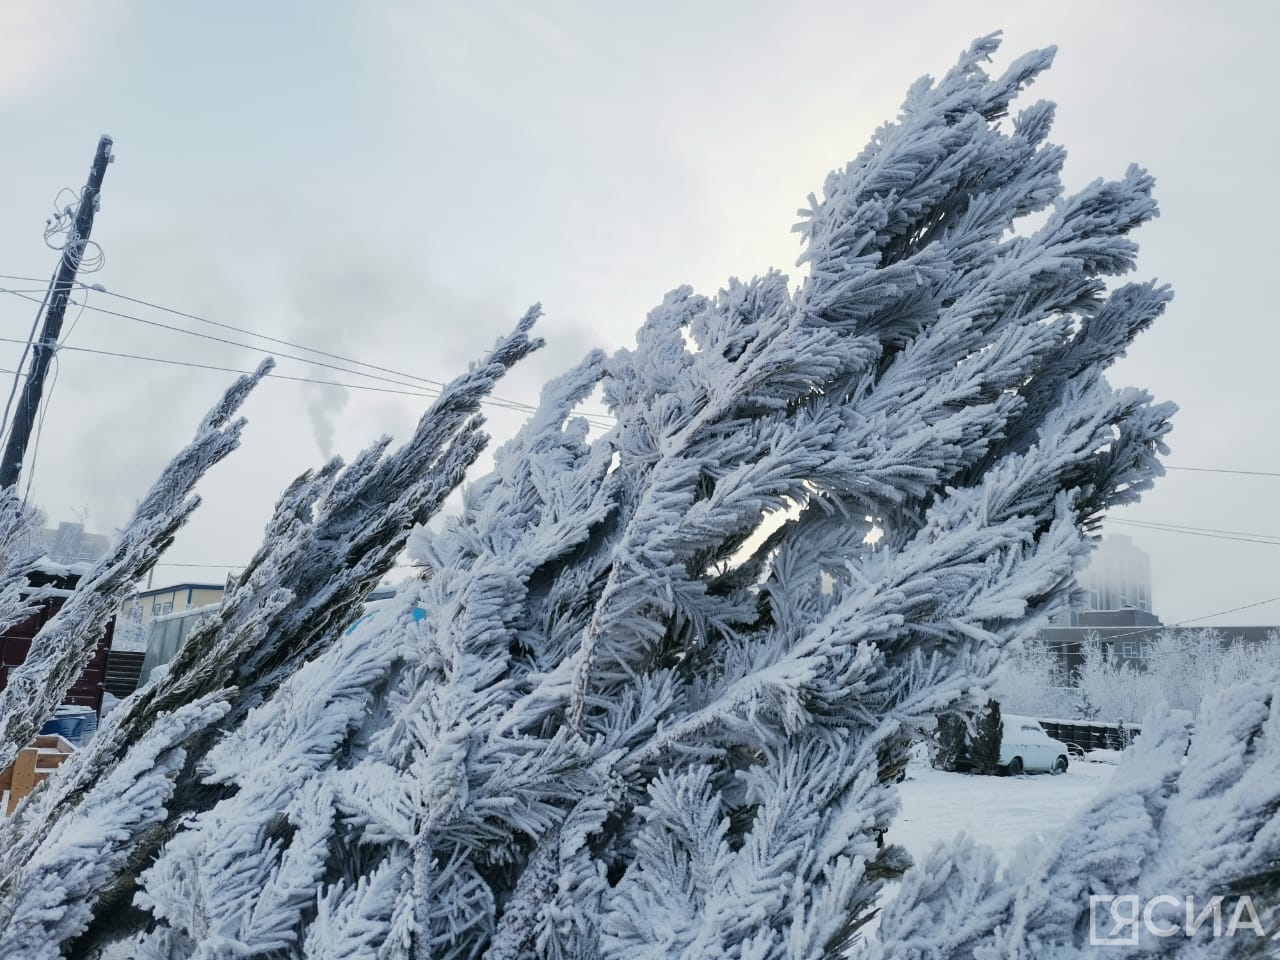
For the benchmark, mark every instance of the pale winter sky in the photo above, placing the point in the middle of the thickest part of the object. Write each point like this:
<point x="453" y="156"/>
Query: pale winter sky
<point x="397" y="181"/>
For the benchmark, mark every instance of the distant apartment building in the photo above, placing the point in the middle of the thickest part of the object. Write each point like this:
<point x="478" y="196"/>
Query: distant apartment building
<point x="1118" y="578"/>
<point x="68" y="543"/>
<point x="1130" y="635"/>
<point x="1117" y="605"/>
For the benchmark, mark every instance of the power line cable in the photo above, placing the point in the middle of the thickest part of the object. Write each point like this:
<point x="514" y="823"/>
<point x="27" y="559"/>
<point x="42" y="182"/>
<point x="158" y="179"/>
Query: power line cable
<point x="26" y="351"/>
<point x="44" y="410"/>
<point x="1183" y="526"/>
<point x="604" y="420"/>
<point x="14" y="276"/>
<point x="83" y="302"/>
<point x="1244" y="473"/>
<point x="273" y="375"/>
<point x="208" y="366"/>
<point x="48" y="399"/>
<point x="1275" y="542"/>
<point x="511" y="404"/>
<point x="1223" y="613"/>
<point x="90" y="257"/>
<point x="601" y="420"/>
<point x="232" y="343"/>
<point x="270" y="339"/>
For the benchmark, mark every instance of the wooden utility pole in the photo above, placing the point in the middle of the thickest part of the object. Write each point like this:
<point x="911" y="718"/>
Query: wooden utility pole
<point x="24" y="416"/>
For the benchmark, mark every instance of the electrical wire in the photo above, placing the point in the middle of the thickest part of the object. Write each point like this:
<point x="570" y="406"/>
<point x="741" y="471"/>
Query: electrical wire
<point x="603" y="420"/>
<point x="88" y="254"/>
<point x="29" y="462"/>
<point x="1243" y="473"/>
<point x="13" y="276"/>
<point x="270" y="339"/>
<point x="234" y="343"/>
<point x="26" y="351"/>
<point x="208" y="366"/>
<point x="60" y="222"/>
<point x="499" y="401"/>
<point x="1200" y="531"/>
<point x="220" y="369"/>
<point x="83" y="302"/>
<point x="48" y="399"/>
<point x="1223" y="613"/>
<point x="600" y="420"/>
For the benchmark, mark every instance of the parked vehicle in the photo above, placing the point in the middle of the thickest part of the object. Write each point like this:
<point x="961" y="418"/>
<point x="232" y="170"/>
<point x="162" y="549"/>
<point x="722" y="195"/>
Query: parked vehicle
<point x="1026" y="747"/>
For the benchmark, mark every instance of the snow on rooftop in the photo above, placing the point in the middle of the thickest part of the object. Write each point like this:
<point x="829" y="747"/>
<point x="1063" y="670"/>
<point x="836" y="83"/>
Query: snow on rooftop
<point x="53" y="568"/>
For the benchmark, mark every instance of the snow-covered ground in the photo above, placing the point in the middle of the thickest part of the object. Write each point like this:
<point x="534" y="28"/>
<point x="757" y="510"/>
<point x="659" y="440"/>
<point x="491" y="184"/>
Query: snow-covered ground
<point x="999" y="812"/>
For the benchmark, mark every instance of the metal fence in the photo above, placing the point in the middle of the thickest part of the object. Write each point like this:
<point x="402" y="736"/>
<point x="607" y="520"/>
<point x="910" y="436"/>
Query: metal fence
<point x="1089" y="735"/>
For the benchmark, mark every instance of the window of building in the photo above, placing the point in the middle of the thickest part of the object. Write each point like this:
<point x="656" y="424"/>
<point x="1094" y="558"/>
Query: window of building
<point x="1128" y="649"/>
<point x="159" y="609"/>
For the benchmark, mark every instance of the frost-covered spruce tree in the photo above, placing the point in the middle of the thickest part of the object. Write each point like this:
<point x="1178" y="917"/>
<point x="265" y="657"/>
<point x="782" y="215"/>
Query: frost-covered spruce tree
<point x="334" y="535"/>
<point x="65" y="644"/>
<point x="18" y="556"/>
<point x="651" y="694"/>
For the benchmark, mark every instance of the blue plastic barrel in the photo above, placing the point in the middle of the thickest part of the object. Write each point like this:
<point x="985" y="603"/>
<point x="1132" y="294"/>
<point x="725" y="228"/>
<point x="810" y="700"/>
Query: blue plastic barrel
<point x="67" y="726"/>
<point x="88" y="727"/>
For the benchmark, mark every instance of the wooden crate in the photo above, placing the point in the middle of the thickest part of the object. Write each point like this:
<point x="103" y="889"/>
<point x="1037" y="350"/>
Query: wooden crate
<point x="33" y="765"/>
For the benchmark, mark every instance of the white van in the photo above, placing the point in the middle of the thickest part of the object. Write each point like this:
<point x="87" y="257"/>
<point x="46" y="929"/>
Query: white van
<point x="1026" y="747"/>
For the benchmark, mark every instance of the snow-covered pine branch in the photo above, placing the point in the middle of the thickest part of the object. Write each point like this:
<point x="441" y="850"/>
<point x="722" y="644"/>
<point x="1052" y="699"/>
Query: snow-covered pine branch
<point x="18" y="556"/>
<point x="335" y="533"/>
<point x="64" y="645"/>
<point x="50" y="899"/>
<point x="284" y="743"/>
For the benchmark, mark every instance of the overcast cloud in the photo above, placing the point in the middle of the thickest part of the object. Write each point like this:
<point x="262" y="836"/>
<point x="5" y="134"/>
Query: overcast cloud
<point x="397" y="182"/>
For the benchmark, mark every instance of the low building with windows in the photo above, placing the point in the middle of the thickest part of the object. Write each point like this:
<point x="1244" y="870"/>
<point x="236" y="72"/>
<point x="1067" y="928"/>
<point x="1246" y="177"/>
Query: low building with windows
<point x="1130" y="633"/>
<point x="167" y="632"/>
<point x="146" y="605"/>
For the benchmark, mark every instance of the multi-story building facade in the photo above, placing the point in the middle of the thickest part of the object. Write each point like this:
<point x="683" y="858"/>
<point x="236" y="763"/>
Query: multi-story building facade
<point x="68" y="543"/>
<point x="1119" y="576"/>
